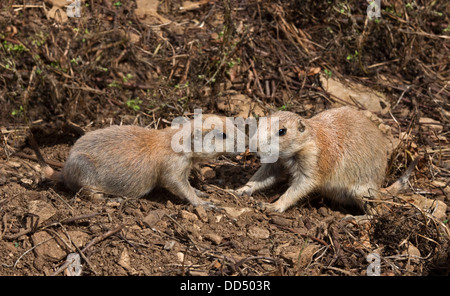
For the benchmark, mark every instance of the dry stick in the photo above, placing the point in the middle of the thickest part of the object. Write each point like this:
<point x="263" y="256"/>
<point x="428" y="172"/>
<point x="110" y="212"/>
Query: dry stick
<point x="73" y="219"/>
<point x="20" y="233"/>
<point x="26" y="252"/>
<point x="304" y="235"/>
<point x="258" y="84"/>
<point x="32" y="157"/>
<point x="226" y="191"/>
<point x="91" y="243"/>
<point x="102" y="237"/>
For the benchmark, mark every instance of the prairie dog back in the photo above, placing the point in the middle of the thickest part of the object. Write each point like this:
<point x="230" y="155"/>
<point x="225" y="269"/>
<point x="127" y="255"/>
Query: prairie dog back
<point x="352" y="150"/>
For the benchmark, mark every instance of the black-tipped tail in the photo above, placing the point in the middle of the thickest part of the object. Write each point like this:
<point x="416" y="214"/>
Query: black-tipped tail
<point x="402" y="183"/>
<point x="48" y="171"/>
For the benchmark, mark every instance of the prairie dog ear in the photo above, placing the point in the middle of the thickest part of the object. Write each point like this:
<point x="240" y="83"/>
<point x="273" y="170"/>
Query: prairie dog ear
<point x="301" y="125"/>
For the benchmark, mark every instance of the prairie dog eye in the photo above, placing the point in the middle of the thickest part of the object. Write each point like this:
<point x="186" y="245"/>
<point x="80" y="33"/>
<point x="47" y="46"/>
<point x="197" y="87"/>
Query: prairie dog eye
<point x="282" y="131"/>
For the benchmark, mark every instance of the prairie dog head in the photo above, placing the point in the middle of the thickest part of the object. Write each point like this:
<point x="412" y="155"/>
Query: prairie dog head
<point x="208" y="136"/>
<point x="280" y="136"/>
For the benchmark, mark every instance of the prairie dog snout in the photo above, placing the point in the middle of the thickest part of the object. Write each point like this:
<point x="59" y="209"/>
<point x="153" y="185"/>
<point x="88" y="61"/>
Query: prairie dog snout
<point x="131" y="161"/>
<point x="339" y="153"/>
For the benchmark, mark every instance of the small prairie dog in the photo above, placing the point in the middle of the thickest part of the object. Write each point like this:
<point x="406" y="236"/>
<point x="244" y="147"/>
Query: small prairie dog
<point x="339" y="153"/>
<point x="130" y="160"/>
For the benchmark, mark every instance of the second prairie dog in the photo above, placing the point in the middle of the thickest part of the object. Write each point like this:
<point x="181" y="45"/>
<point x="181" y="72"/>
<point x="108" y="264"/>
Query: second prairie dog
<point x="130" y="161"/>
<point x="339" y="153"/>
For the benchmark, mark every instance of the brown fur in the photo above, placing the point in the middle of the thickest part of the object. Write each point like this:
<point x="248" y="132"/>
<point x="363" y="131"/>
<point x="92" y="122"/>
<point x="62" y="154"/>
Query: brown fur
<point x="339" y="153"/>
<point x="130" y="161"/>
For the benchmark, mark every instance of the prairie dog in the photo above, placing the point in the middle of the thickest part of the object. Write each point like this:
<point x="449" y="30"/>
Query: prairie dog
<point x="339" y="153"/>
<point x="130" y="160"/>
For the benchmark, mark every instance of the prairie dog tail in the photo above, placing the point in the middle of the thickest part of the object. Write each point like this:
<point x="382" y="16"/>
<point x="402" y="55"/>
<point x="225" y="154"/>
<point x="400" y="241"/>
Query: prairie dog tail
<point x="401" y="184"/>
<point x="49" y="173"/>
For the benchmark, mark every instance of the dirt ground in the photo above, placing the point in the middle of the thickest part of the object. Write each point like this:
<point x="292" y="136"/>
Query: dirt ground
<point x="147" y="62"/>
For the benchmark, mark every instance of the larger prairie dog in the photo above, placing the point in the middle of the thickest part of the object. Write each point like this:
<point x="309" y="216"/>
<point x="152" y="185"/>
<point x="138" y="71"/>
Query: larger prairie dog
<point x="339" y="153"/>
<point x="130" y="160"/>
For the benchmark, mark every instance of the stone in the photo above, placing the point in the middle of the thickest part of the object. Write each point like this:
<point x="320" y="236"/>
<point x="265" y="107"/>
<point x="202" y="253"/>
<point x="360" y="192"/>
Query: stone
<point x="46" y="246"/>
<point x="124" y="259"/>
<point x="153" y="217"/>
<point x="214" y="238"/>
<point x="234" y="212"/>
<point x="207" y="173"/>
<point x="41" y="209"/>
<point x="201" y="213"/>
<point x="188" y="216"/>
<point x="257" y="232"/>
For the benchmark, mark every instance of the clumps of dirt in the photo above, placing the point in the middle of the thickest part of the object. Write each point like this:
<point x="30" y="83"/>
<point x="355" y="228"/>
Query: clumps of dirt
<point x="161" y="235"/>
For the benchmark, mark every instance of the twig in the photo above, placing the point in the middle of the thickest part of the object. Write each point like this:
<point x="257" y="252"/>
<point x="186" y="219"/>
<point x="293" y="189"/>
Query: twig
<point x="304" y="235"/>
<point x="32" y="157"/>
<point x="102" y="237"/>
<point x="339" y="270"/>
<point x="90" y="244"/>
<point x="433" y="36"/>
<point x="73" y="219"/>
<point x="29" y="250"/>
<point x="401" y="97"/>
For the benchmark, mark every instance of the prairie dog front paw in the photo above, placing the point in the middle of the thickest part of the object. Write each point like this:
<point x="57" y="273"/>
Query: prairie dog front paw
<point x="244" y="190"/>
<point x="271" y="207"/>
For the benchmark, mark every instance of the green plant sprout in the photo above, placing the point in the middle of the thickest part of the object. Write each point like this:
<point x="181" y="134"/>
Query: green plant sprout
<point x="134" y="104"/>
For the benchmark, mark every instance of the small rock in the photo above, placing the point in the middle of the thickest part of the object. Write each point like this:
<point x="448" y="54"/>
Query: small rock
<point x="169" y="205"/>
<point x="41" y="209"/>
<point x="78" y="238"/>
<point x="26" y="181"/>
<point x="218" y="218"/>
<point x="201" y="213"/>
<point x="47" y="247"/>
<point x="297" y="255"/>
<point x="207" y="172"/>
<point x="385" y="129"/>
<point x="134" y="38"/>
<point x="124" y="259"/>
<point x="180" y="256"/>
<point x="169" y="245"/>
<point x="13" y="164"/>
<point x="439" y="184"/>
<point x="436" y="208"/>
<point x="2" y="179"/>
<point x="413" y="252"/>
<point x="323" y="211"/>
<point x="214" y="238"/>
<point x="257" y="232"/>
<point x="306" y="255"/>
<point x="198" y="273"/>
<point x="153" y="217"/>
<point x="98" y="196"/>
<point x="234" y="213"/>
<point x="290" y="254"/>
<point x="188" y="216"/>
<point x="430" y="123"/>
<point x="280" y="221"/>
<point x="52" y="248"/>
